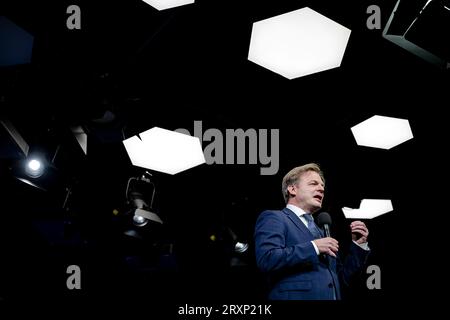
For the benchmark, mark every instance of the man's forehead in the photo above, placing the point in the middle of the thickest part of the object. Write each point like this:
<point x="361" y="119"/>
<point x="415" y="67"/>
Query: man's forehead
<point x="311" y="175"/>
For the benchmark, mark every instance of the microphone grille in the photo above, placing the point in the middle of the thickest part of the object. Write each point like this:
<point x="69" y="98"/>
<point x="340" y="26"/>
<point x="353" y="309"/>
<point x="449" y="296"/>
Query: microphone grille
<point x="324" y="218"/>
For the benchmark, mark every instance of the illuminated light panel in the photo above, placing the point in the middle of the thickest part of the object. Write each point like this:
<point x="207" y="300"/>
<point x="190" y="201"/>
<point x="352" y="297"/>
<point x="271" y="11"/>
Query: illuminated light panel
<point x="369" y="209"/>
<point x="298" y="43"/>
<point x="382" y="132"/>
<point x="164" y="151"/>
<point x="167" y="4"/>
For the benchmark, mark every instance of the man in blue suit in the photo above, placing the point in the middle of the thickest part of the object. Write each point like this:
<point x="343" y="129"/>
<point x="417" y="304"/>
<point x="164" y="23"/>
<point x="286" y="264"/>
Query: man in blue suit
<point x="302" y="264"/>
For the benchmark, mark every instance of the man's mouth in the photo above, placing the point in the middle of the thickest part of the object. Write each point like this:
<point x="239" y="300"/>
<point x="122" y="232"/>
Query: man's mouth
<point x="318" y="197"/>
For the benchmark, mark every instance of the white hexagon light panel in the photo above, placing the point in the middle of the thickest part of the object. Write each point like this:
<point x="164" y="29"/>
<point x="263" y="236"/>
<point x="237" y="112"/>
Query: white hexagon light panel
<point x="369" y="209"/>
<point x="382" y="132"/>
<point x="298" y="43"/>
<point x="167" y="4"/>
<point x="164" y="151"/>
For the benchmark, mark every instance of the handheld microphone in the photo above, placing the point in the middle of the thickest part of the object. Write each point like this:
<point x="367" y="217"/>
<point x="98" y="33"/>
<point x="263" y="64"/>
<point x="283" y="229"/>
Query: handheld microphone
<point x="324" y="221"/>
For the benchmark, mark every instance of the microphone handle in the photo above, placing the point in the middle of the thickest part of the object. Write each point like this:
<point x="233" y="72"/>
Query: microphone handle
<point x="326" y="228"/>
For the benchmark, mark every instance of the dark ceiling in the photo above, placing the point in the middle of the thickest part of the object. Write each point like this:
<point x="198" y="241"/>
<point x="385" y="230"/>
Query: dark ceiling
<point x="147" y="68"/>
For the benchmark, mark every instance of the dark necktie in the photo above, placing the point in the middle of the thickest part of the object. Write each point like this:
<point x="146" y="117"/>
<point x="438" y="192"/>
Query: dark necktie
<point x="316" y="233"/>
<point x="312" y="226"/>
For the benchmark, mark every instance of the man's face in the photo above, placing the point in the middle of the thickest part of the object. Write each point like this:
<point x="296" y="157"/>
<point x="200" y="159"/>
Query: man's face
<point x="309" y="192"/>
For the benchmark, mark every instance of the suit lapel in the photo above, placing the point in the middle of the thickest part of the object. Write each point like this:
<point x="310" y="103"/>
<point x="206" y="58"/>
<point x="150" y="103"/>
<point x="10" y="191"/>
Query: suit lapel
<point x="296" y="220"/>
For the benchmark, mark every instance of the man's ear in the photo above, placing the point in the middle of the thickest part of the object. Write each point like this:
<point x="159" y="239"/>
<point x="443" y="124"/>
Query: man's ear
<point x="291" y="190"/>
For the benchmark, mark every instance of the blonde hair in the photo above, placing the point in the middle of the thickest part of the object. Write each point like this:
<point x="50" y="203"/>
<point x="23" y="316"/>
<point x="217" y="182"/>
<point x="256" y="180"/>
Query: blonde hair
<point x="293" y="177"/>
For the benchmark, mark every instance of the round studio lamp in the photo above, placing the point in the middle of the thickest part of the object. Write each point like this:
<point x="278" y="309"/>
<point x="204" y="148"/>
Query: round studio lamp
<point x="140" y="194"/>
<point x="139" y="221"/>
<point x="38" y="171"/>
<point x="240" y="247"/>
<point x="34" y="168"/>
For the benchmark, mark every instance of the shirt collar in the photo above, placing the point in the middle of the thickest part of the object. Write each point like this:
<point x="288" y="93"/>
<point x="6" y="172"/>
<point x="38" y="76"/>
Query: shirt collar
<point x="298" y="211"/>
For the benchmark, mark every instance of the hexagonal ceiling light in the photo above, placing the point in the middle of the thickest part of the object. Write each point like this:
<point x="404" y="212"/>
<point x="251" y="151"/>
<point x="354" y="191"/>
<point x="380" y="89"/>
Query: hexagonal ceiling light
<point x="369" y="209"/>
<point x="164" y="151"/>
<point x="167" y="4"/>
<point x="298" y="43"/>
<point x="382" y="132"/>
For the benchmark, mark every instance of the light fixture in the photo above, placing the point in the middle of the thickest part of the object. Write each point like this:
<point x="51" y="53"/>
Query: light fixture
<point x="37" y="164"/>
<point x="34" y="168"/>
<point x="164" y="151"/>
<point x="423" y="28"/>
<point x="239" y="255"/>
<point x="368" y="209"/>
<point x="298" y="43"/>
<point x="36" y="171"/>
<point x="139" y="221"/>
<point x="140" y="194"/>
<point x="382" y="132"/>
<point x="239" y="247"/>
<point x="167" y="4"/>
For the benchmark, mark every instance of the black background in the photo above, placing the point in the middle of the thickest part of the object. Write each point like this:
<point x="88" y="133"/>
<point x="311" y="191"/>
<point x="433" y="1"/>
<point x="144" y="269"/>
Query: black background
<point x="168" y="69"/>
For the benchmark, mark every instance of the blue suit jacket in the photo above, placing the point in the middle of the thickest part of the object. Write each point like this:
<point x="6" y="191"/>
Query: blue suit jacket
<point x="295" y="272"/>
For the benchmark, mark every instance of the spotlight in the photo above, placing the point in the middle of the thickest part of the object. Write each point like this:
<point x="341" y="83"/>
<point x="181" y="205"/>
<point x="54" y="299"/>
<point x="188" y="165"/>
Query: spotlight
<point x="36" y="171"/>
<point x="228" y="248"/>
<point x="34" y="168"/>
<point x="239" y="256"/>
<point x="139" y="221"/>
<point x="140" y="194"/>
<point x="240" y="247"/>
<point x="34" y="165"/>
